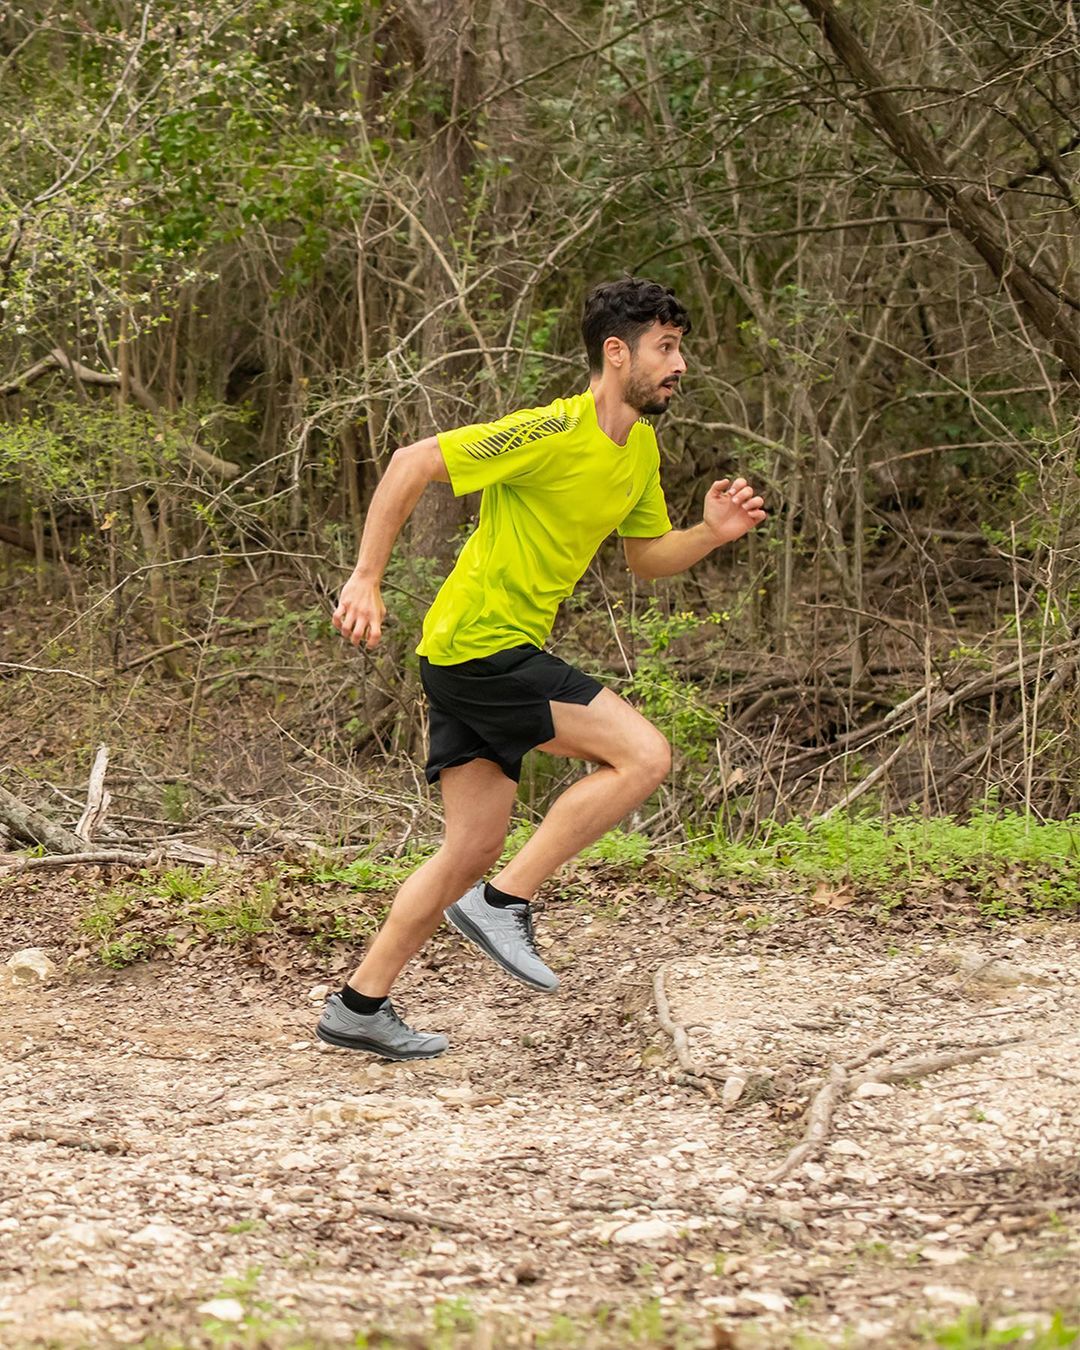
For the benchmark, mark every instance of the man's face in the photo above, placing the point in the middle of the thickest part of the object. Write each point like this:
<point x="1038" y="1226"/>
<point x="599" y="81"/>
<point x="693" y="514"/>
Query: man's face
<point x="656" y="366"/>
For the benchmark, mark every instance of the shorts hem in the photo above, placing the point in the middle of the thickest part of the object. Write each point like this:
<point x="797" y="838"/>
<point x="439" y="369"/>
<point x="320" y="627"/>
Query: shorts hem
<point x="512" y="770"/>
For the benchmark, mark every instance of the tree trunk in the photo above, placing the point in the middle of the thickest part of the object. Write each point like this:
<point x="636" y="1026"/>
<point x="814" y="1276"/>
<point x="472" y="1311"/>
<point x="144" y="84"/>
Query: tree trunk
<point x="967" y="209"/>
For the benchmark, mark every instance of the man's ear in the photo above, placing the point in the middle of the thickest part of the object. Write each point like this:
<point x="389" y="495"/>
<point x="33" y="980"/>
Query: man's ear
<point x="616" y="351"/>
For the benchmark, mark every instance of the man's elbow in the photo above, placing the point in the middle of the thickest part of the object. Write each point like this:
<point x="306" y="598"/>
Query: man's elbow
<point x="422" y="460"/>
<point x="637" y="559"/>
<point x="641" y="570"/>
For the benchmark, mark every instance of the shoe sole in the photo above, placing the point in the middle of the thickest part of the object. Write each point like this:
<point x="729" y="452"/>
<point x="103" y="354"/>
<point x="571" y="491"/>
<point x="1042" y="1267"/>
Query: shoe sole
<point x="468" y="929"/>
<point x="372" y="1047"/>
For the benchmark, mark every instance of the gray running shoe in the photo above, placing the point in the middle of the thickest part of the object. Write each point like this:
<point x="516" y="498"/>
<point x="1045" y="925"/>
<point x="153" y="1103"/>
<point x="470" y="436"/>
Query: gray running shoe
<point x="381" y="1033"/>
<point x="506" y="935"/>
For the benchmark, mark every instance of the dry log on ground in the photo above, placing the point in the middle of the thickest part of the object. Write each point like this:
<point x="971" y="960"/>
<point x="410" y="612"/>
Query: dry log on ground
<point x="31" y="826"/>
<point x="154" y="858"/>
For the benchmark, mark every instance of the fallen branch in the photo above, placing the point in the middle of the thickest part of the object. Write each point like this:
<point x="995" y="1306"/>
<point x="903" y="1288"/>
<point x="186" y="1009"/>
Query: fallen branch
<point x="202" y="857"/>
<point x="58" y="359"/>
<point x="26" y="823"/>
<point x="944" y="701"/>
<point x="97" y="799"/>
<point x="51" y="670"/>
<point x="171" y="647"/>
<point x="1011" y="731"/>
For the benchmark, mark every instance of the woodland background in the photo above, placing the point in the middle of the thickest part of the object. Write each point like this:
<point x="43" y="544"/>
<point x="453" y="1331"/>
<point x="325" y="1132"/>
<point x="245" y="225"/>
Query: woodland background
<point x="248" y="249"/>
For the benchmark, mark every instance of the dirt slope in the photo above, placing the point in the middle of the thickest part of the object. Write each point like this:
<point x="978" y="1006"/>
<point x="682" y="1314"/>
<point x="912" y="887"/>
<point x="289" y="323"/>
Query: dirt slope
<point x="178" y="1152"/>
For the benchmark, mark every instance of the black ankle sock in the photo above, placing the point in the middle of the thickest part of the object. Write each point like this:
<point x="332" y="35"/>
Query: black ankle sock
<point x="500" y="899"/>
<point x="360" y="1003"/>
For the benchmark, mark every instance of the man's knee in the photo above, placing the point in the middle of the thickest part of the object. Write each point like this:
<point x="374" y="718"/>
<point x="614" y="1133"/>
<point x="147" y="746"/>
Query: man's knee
<point x="477" y="853"/>
<point x="652" y="759"/>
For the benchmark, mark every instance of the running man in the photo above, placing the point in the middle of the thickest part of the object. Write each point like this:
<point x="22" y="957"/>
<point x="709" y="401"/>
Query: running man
<point x="556" y="481"/>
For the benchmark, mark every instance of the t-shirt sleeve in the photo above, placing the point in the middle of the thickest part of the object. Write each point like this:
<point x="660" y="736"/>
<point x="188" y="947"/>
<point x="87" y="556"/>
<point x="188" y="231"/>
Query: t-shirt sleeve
<point x="648" y="517"/>
<point x="506" y="451"/>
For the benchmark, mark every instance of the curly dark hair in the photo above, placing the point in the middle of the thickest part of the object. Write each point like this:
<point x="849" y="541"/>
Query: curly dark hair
<point x="625" y="309"/>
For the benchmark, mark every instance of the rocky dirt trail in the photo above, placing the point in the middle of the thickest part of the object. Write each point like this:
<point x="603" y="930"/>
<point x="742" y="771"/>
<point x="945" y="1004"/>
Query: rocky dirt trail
<point x="182" y="1163"/>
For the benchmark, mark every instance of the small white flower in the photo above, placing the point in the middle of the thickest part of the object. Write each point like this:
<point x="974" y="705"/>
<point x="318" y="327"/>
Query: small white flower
<point x="20" y="328"/>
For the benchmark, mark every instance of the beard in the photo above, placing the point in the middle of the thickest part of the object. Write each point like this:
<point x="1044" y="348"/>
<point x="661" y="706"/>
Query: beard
<point x="646" y="396"/>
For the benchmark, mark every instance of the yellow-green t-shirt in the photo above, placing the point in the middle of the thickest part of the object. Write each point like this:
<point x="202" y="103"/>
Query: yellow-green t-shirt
<point x="554" y="487"/>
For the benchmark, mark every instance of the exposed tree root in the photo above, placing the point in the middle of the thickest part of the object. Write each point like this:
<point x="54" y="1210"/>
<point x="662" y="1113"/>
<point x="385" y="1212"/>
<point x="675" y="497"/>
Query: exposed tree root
<point x="89" y="1143"/>
<point x="818" y="1123"/>
<point x="840" y="1083"/>
<point x="674" y="1029"/>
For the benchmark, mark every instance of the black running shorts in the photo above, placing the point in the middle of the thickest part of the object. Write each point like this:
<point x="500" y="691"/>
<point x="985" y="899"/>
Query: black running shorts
<point x="497" y="707"/>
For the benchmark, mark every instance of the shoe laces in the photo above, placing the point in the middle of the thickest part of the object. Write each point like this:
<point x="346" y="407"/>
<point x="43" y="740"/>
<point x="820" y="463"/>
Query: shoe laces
<point x="395" y="1015"/>
<point x="524" y="920"/>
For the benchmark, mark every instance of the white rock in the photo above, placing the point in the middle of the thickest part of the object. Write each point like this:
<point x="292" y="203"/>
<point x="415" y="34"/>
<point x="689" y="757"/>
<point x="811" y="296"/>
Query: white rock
<point x="814" y="1171"/>
<point x="874" y="1090"/>
<point x="946" y="1296"/>
<point x="873" y="1331"/>
<point x="80" y="1233"/>
<point x="647" y="1233"/>
<point x="444" y="1247"/>
<point x="848" y="1148"/>
<point x="721" y="1303"/>
<point x="296" y="1161"/>
<point x="319" y="994"/>
<point x="161" y="1235"/>
<point x="998" y="1244"/>
<point x="733" y="1197"/>
<point x="224" y="1309"/>
<point x="767" y="1299"/>
<point x="1027" y="1321"/>
<point x="944" y="1256"/>
<point x="30" y="965"/>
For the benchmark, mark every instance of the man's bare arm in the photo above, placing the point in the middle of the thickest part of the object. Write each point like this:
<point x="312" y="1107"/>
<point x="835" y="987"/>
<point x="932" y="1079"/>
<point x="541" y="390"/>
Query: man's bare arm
<point x="360" y="611"/>
<point x="731" y="509"/>
<point x="668" y="553"/>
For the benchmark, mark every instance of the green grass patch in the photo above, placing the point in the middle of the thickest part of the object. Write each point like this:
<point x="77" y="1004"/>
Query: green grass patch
<point x="622" y="848"/>
<point x="368" y="873"/>
<point x="233" y="915"/>
<point x="1011" y="865"/>
<point x="182" y="906"/>
<point x="972" y="1332"/>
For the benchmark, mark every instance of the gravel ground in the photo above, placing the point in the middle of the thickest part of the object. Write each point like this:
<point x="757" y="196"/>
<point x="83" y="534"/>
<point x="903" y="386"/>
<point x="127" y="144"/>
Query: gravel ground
<point x="180" y="1158"/>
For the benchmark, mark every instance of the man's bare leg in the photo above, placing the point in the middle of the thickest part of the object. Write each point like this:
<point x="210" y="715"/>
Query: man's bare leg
<point x="634" y="759"/>
<point x="477" y="800"/>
